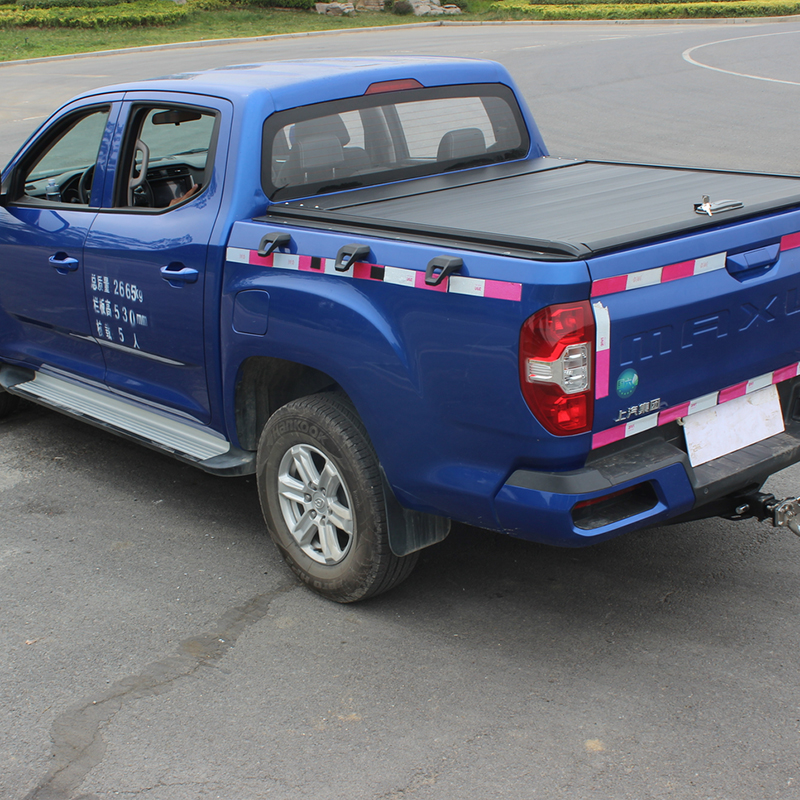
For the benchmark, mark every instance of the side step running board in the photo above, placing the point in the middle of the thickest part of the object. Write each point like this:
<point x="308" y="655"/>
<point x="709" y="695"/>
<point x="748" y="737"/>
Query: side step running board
<point x="203" y="448"/>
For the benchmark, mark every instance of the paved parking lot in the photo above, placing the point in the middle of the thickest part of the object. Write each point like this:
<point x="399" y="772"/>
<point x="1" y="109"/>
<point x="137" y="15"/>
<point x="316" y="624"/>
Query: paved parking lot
<point x="154" y="646"/>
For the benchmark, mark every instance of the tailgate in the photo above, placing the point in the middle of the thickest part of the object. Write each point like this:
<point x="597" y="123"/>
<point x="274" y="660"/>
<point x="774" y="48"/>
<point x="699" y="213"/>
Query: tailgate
<point x="694" y="322"/>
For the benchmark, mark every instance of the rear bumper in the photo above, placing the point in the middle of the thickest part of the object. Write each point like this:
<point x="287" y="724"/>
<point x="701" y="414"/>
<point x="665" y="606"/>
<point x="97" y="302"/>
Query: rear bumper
<point x="663" y="485"/>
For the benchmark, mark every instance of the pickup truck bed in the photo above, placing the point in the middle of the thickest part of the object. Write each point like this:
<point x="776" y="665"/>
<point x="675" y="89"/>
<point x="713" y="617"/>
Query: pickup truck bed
<point x="551" y="208"/>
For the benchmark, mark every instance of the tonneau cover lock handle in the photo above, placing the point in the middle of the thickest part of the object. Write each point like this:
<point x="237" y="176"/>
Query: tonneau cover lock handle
<point x="709" y="208"/>
<point x="349" y="254"/>
<point x="272" y="241"/>
<point x="440" y="267"/>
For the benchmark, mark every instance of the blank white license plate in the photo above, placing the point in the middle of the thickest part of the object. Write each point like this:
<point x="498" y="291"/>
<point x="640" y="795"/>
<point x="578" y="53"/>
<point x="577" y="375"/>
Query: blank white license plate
<point x="731" y="426"/>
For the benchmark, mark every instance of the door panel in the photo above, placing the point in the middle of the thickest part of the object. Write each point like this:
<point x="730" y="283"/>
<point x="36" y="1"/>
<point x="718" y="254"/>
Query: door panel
<point x="42" y="233"/>
<point x="151" y="330"/>
<point x="44" y="301"/>
<point x="146" y="257"/>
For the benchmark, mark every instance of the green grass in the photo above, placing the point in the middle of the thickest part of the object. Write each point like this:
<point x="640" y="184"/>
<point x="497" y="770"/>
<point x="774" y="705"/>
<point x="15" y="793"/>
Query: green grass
<point x="226" y="23"/>
<point x="220" y="22"/>
<point x="30" y="42"/>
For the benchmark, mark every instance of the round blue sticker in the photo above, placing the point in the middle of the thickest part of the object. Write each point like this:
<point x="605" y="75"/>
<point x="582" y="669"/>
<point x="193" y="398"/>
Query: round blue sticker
<point x="627" y="383"/>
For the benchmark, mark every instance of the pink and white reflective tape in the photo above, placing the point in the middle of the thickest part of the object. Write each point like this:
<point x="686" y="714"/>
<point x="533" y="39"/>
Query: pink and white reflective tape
<point x="602" y="358"/>
<point x="454" y="284"/>
<point x="693" y="406"/>
<point x="673" y="272"/>
<point x="652" y="277"/>
<point x="790" y="241"/>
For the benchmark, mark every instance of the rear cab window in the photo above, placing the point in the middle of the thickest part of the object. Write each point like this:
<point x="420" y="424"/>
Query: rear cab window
<point x="388" y="136"/>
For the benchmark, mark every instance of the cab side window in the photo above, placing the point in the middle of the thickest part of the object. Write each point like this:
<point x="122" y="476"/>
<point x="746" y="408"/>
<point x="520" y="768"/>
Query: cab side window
<point x="167" y="156"/>
<point x="63" y="170"/>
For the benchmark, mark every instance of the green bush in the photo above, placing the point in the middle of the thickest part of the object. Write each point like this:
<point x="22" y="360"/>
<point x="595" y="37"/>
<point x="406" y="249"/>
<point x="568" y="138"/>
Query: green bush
<point x="305" y="5"/>
<point x="301" y="4"/>
<point x="525" y="3"/>
<point x="26" y="4"/>
<point x="127" y="15"/>
<point x="208" y="5"/>
<point x="402" y="8"/>
<point x="645" y="9"/>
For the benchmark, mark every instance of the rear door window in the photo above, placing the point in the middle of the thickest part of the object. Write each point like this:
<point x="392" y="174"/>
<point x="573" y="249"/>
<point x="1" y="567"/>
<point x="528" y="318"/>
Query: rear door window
<point x="166" y="156"/>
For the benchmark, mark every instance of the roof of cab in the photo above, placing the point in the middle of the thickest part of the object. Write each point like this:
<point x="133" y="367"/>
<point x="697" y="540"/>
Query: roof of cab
<point x="318" y="80"/>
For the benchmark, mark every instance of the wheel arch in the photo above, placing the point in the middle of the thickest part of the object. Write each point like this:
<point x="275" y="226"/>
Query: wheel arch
<point x="266" y="383"/>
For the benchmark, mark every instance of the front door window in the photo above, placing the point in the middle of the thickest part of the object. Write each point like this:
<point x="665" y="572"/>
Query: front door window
<point x="64" y="169"/>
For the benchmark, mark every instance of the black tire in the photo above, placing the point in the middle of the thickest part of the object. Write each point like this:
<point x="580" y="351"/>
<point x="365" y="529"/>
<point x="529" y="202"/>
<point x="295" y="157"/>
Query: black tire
<point x="321" y="494"/>
<point x="8" y="403"/>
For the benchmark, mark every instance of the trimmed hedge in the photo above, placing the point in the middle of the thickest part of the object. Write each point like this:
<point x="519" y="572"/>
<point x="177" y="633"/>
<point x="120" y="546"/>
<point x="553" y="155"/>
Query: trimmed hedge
<point x="701" y="9"/>
<point x="128" y="15"/>
<point x="139" y="13"/>
<point x="304" y="5"/>
<point x="208" y="5"/>
<point x="26" y="4"/>
<point x="499" y="4"/>
<point x="120" y="13"/>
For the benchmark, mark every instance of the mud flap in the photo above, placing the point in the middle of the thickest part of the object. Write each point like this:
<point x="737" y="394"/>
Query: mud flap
<point x="410" y="531"/>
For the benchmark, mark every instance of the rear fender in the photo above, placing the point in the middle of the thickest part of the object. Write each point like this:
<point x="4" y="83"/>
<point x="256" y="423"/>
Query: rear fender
<point x="433" y="372"/>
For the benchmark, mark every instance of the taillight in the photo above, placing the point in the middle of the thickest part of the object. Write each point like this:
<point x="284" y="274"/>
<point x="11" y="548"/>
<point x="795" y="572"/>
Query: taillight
<point x="556" y="356"/>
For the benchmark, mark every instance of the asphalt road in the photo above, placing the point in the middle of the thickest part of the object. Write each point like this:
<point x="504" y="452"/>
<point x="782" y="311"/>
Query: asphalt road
<point x="153" y="645"/>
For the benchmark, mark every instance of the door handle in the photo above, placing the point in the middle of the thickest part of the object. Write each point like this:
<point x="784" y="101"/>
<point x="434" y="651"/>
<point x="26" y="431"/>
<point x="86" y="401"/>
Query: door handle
<point x="63" y="263"/>
<point x="178" y="277"/>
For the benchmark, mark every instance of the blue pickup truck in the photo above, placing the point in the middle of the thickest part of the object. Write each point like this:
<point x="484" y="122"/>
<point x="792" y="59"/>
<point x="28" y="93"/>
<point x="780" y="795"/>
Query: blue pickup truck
<point x="367" y="282"/>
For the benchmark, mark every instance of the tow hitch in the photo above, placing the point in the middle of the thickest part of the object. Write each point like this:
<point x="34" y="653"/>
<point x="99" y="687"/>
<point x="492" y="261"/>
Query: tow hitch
<point x="782" y="513"/>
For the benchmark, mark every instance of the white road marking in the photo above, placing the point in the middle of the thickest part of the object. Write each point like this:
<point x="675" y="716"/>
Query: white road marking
<point x="687" y="57"/>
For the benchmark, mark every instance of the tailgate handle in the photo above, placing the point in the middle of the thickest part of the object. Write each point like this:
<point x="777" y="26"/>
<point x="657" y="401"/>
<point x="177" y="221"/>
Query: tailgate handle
<point x="349" y="254"/>
<point x="756" y="261"/>
<point x="272" y="241"/>
<point x="440" y="267"/>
